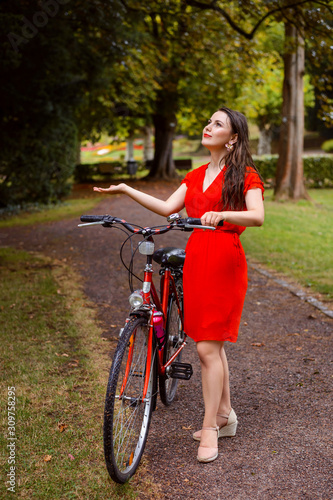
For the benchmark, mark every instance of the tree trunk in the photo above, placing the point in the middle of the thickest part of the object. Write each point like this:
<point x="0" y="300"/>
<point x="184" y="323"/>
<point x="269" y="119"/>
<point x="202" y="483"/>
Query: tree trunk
<point x="78" y="153"/>
<point x="129" y="149"/>
<point x="289" y="174"/>
<point x="163" y="166"/>
<point x="265" y="141"/>
<point x="148" y="146"/>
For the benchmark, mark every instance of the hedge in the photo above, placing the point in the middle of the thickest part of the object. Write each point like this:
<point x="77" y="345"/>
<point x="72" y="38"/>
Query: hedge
<point x="318" y="170"/>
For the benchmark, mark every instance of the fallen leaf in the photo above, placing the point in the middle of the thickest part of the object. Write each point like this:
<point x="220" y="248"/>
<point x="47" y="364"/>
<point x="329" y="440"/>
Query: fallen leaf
<point x="65" y="355"/>
<point x="258" y="344"/>
<point x="312" y="316"/>
<point x="298" y="348"/>
<point x="47" y="458"/>
<point x="245" y="323"/>
<point x="187" y="428"/>
<point x="62" y="426"/>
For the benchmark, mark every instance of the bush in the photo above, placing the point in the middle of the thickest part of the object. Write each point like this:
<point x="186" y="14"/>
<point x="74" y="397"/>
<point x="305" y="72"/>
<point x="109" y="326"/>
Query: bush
<point x="318" y="170"/>
<point x="327" y="146"/>
<point x="266" y="165"/>
<point x="88" y="172"/>
<point x="38" y="171"/>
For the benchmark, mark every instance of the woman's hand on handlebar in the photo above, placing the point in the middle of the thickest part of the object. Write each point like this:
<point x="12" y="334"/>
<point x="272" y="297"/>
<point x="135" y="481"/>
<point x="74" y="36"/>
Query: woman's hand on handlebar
<point x="119" y="189"/>
<point x="212" y="218"/>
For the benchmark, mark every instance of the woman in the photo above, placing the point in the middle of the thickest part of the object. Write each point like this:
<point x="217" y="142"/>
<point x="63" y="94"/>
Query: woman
<point x="228" y="188"/>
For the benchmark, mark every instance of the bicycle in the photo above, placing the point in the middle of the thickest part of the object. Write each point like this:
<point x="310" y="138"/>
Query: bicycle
<point x="151" y="341"/>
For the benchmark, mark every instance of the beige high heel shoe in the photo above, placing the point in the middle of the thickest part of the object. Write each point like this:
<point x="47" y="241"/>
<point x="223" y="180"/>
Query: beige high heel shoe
<point x="228" y="430"/>
<point x="215" y="450"/>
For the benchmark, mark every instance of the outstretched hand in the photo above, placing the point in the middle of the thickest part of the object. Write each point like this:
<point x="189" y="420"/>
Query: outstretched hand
<point x="112" y="189"/>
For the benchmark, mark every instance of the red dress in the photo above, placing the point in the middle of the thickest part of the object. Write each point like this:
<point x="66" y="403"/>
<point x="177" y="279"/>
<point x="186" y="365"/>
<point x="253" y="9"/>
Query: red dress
<point x="215" y="269"/>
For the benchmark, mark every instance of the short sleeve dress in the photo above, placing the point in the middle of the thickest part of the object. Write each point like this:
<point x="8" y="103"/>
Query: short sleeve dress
<point x="215" y="269"/>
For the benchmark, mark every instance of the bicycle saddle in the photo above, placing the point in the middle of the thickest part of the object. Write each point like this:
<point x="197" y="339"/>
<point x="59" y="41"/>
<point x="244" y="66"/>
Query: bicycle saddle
<point x="171" y="256"/>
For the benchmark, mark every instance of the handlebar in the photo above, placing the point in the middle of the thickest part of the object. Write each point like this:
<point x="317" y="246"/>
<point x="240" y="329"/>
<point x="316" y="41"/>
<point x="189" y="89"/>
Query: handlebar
<point x="187" y="224"/>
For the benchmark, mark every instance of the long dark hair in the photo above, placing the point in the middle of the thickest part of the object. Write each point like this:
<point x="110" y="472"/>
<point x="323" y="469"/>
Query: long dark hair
<point x="236" y="162"/>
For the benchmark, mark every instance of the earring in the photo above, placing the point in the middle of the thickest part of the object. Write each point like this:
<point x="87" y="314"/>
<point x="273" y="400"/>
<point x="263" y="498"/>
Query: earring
<point x="229" y="147"/>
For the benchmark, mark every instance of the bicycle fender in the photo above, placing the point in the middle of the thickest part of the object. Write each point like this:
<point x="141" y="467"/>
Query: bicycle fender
<point x="141" y="312"/>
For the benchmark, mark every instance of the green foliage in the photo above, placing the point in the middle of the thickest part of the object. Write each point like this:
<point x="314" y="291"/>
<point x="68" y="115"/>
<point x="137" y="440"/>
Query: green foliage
<point x="327" y="146"/>
<point x="38" y="94"/>
<point x="39" y="169"/>
<point x="318" y="170"/>
<point x="266" y="164"/>
<point x="59" y="85"/>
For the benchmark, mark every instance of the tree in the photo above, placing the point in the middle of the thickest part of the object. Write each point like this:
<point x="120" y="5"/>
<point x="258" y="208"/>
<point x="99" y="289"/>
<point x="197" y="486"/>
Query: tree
<point x="68" y="69"/>
<point x="289" y="174"/>
<point x="297" y="15"/>
<point x="191" y="74"/>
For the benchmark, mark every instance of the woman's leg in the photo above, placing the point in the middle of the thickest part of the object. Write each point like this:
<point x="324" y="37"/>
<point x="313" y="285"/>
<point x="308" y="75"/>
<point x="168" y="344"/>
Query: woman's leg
<point x="224" y="405"/>
<point x="212" y="373"/>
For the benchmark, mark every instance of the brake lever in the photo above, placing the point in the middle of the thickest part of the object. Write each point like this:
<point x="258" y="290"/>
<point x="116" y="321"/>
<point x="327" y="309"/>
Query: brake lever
<point x="192" y="226"/>
<point x="91" y="223"/>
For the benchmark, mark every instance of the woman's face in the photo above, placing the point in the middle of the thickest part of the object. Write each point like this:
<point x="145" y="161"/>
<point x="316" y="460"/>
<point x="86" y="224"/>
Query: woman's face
<point x="217" y="133"/>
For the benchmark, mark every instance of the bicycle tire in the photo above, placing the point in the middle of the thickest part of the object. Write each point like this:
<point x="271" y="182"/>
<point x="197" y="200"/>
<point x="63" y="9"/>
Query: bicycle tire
<point x="174" y="337"/>
<point x="127" y="418"/>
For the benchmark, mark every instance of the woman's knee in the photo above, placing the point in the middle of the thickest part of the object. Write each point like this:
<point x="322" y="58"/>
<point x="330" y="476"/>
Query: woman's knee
<point x="208" y="350"/>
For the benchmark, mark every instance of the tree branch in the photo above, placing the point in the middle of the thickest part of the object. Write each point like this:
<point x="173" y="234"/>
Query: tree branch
<point x="236" y="27"/>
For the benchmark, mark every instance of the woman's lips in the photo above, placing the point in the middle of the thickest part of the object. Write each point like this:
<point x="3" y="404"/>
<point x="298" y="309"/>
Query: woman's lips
<point x="207" y="135"/>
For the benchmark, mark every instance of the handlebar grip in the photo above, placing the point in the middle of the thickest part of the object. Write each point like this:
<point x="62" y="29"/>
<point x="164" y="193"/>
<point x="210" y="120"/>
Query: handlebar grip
<point x="92" y="218"/>
<point x="197" y="222"/>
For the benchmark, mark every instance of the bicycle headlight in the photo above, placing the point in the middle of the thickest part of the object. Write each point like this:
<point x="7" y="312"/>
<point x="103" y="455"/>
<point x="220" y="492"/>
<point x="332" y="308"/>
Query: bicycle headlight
<point x="146" y="247"/>
<point x="136" y="299"/>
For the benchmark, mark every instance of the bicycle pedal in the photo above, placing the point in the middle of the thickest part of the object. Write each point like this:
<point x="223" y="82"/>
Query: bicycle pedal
<point x="181" y="370"/>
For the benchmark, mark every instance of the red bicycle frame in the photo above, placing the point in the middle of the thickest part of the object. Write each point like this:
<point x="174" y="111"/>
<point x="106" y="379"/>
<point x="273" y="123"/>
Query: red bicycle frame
<point x="149" y="291"/>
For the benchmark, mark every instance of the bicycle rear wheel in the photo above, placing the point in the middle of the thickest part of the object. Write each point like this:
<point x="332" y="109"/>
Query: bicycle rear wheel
<point x="174" y="337"/>
<point x="126" y="416"/>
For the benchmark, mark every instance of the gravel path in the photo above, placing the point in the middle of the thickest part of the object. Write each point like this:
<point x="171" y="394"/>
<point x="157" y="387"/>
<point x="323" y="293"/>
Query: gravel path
<point x="281" y="374"/>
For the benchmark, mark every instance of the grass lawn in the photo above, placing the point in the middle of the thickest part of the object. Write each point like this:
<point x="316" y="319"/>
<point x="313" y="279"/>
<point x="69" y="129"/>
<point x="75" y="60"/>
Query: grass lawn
<point x="56" y="363"/>
<point x="70" y="208"/>
<point x="297" y="240"/>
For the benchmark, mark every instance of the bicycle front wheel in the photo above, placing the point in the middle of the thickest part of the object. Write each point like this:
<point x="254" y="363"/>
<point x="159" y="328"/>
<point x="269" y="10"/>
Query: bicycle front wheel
<point x="127" y="414"/>
<point x="174" y="337"/>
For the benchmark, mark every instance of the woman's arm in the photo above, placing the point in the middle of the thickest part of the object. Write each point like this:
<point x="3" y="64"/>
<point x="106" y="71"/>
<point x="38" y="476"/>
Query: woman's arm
<point x="173" y="204"/>
<point x="254" y="216"/>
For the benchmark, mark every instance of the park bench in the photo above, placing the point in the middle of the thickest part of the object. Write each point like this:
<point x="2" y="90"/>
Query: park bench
<point x="109" y="168"/>
<point x="185" y="164"/>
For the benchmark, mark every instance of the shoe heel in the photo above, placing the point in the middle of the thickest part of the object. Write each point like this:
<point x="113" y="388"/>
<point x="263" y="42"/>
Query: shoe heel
<point x="228" y="430"/>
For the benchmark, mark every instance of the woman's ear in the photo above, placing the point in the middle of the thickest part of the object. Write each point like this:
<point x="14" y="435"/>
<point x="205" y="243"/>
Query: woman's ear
<point x="233" y="139"/>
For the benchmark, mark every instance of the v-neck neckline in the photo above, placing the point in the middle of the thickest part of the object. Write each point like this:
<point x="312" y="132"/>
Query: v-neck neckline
<point x="203" y="180"/>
